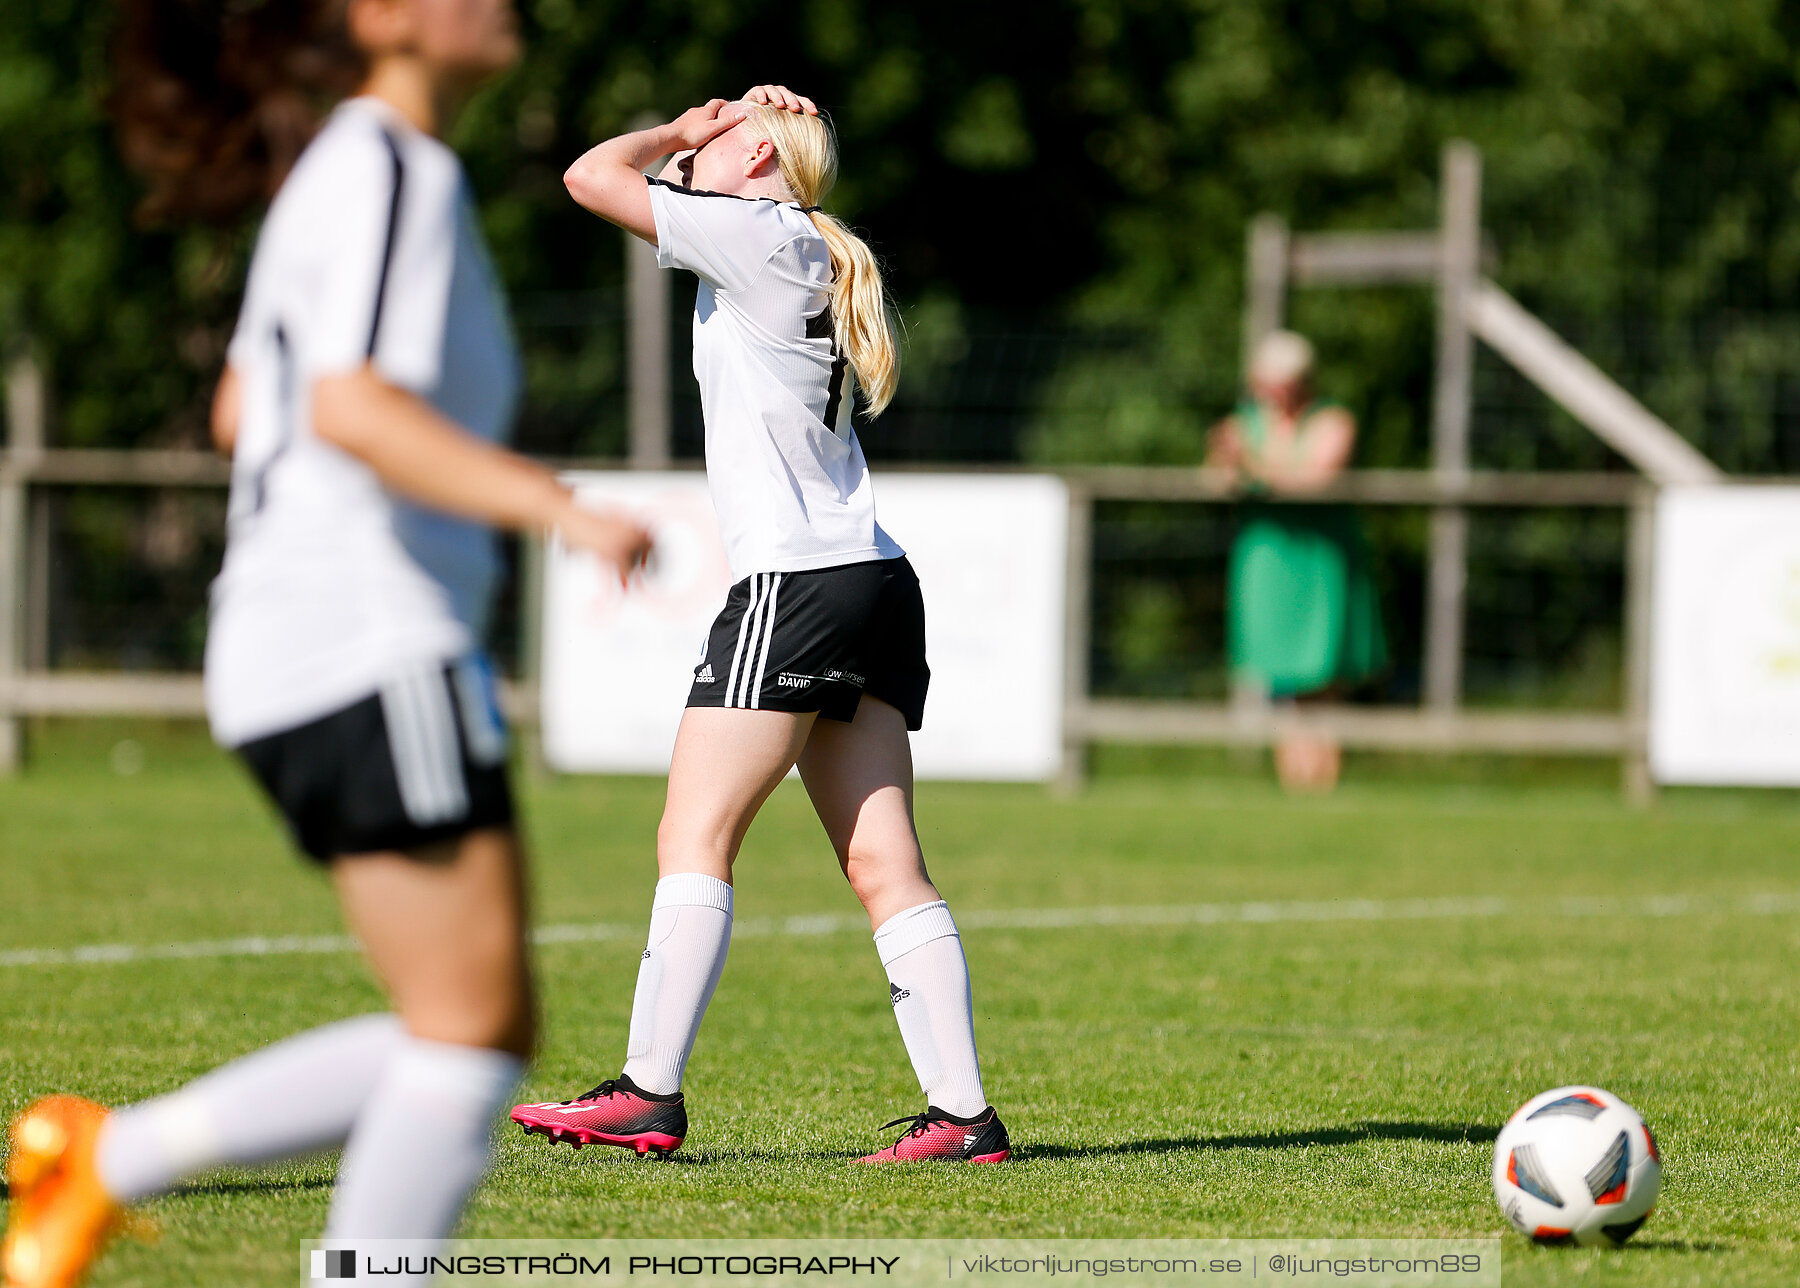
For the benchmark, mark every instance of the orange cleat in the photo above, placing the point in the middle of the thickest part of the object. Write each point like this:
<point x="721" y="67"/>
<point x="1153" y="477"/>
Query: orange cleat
<point x="60" y="1216"/>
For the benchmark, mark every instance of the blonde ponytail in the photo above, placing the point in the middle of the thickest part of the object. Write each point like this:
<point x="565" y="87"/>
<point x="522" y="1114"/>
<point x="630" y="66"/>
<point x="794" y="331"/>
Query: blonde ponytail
<point x="807" y="151"/>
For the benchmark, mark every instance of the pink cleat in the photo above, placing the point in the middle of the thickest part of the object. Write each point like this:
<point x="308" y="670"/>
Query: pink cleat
<point x="617" y="1112"/>
<point x="935" y="1134"/>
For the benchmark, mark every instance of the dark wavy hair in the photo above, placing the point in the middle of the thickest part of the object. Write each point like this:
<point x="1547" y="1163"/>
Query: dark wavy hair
<point x="215" y="99"/>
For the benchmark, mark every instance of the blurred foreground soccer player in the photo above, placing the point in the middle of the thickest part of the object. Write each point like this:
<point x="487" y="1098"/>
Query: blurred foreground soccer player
<point x="819" y="655"/>
<point x="371" y="374"/>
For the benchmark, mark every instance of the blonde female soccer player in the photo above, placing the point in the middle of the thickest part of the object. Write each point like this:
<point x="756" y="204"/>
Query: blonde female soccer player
<point x="370" y="378"/>
<point x="819" y="655"/>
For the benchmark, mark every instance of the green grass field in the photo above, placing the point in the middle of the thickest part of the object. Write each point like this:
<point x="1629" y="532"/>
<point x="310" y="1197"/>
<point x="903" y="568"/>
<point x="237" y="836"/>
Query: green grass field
<point x="1332" y="1077"/>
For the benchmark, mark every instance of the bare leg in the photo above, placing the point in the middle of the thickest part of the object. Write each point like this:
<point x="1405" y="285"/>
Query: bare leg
<point x="1307" y="762"/>
<point x="727" y="761"/>
<point x="1330" y="764"/>
<point x="445" y="931"/>
<point x="859" y="776"/>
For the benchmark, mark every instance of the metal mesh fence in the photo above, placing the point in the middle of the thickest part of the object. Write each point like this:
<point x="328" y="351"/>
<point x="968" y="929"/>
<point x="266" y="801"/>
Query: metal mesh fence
<point x="1543" y="614"/>
<point x="126" y="577"/>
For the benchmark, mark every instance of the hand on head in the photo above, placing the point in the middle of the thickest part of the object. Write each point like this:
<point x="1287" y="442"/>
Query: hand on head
<point x="782" y="97"/>
<point x="698" y="126"/>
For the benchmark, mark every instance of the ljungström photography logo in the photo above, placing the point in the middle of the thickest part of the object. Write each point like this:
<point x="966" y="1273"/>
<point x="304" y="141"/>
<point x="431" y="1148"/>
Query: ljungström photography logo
<point x="333" y="1263"/>
<point x="917" y="1263"/>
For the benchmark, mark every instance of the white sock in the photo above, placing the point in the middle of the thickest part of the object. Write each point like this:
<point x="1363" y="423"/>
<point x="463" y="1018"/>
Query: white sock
<point x="928" y="980"/>
<point x="690" y="931"/>
<point x="421" y="1143"/>
<point x="291" y="1098"/>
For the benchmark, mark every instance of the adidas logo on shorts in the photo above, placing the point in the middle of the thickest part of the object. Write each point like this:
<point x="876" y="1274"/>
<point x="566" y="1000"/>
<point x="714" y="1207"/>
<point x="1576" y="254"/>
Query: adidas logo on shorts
<point x="705" y="675"/>
<point x="897" y="994"/>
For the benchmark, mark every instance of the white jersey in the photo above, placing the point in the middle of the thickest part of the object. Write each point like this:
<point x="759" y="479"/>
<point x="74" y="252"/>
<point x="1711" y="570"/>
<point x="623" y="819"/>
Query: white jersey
<point x="789" y="483"/>
<point x="331" y="585"/>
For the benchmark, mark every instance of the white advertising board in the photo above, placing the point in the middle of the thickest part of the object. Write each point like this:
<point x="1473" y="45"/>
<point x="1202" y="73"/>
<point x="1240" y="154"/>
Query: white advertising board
<point x="990" y="551"/>
<point x="1725" y="641"/>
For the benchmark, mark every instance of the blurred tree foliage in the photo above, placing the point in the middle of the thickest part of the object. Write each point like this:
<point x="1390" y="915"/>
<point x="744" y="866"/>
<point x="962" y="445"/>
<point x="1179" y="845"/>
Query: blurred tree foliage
<point x="1641" y="162"/>
<point x="1084" y="163"/>
<point x="1060" y="191"/>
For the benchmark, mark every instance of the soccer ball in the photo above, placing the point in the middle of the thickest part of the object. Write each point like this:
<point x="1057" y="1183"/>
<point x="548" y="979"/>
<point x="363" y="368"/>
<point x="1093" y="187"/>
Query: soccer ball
<point x="1576" y="1165"/>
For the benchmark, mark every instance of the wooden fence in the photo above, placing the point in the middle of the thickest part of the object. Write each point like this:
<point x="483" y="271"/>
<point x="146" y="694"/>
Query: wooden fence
<point x="26" y="473"/>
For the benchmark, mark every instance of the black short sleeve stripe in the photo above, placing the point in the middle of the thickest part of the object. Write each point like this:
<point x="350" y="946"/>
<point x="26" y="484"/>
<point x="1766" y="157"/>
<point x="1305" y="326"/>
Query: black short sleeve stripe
<point x="727" y="196"/>
<point x="393" y="230"/>
<point x="284" y="425"/>
<point x="834" y="395"/>
<point x="699" y="192"/>
<point x="822" y="326"/>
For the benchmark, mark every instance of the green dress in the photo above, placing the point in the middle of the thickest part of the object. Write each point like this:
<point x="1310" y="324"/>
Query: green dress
<point x="1303" y="614"/>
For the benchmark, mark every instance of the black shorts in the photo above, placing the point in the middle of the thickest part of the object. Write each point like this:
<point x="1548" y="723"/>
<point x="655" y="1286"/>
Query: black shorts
<point x="423" y="760"/>
<point x="818" y="641"/>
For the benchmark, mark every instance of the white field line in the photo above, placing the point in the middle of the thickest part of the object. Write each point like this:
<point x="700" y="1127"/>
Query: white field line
<point x="1193" y="914"/>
